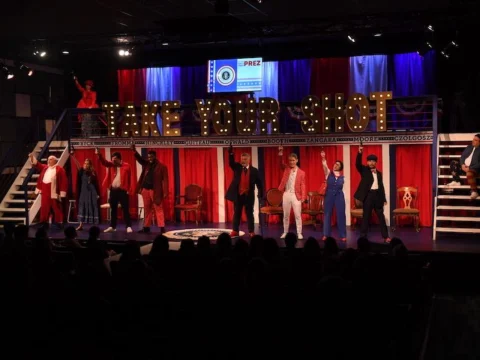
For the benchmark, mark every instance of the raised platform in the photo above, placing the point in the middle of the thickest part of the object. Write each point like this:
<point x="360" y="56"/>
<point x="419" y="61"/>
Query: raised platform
<point x="417" y="242"/>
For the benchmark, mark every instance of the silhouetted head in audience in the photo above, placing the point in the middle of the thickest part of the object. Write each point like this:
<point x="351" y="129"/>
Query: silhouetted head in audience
<point x="131" y="252"/>
<point x="270" y="248"/>
<point x="203" y="244"/>
<point x="8" y="229"/>
<point x="311" y="247"/>
<point x="70" y="232"/>
<point x="256" y="246"/>
<point x="224" y="244"/>
<point x="330" y="246"/>
<point x="94" y="233"/>
<point x="21" y="233"/>
<point x="400" y="251"/>
<point x="160" y="246"/>
<point x="257" y="274"/>
<point x="363" y="245"/>
<point x="240" y="249"/>
<point x="291" y="240"/>
<point x="187" y="247"/>
<point x="395" y="241"/>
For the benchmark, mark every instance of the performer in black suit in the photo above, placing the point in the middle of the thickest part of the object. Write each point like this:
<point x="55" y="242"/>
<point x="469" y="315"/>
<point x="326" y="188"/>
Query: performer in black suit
<point x="371" y="193"/>
<point x="242" y="190"/>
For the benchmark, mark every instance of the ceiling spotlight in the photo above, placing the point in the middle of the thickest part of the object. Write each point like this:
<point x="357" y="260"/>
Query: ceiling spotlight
<point x="444" y="53"/>
<point x="121" y="52"/>
<point x="65" y="52"/>
<point x="6" y="72"/>
<point x="377" y="34"/>
<point x="430" y="27"/>
<point x="351" y="38"/>
<point x="28" y="70"/>
<point x="124" y="52"/>
<point x="43" y="53"/>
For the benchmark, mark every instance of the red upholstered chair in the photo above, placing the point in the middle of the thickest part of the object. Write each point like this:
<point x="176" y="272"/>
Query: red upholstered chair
<point x="274" y="204"/>
<point x="407" y="206"/>
<point x="192" y="201"/>
<point x="314" y="208"/>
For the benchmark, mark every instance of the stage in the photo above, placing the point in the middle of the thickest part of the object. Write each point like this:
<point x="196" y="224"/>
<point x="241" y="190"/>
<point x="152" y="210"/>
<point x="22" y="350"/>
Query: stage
<point x="414" y="241"/>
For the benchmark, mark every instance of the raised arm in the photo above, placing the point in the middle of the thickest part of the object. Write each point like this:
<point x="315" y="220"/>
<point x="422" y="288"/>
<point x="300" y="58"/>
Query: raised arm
<point x="231" y="158"/>
<point x="138" y="157"/>
<point x="280" y="158"/>
<point x="77" y="163"/>
<point x="38" y="165"/>
<point x="102" y="160"/>
<point x="77" y="84"/>
<point x="358" y="162"/>
<point x="326" y="170"/>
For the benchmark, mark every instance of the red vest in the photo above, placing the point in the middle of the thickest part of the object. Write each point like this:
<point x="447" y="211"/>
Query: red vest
<point x="244" y="182"/>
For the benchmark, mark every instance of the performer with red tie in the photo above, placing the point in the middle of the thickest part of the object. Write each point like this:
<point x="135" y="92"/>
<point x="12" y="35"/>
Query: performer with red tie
<point x="294" y="192"/>
<point x="52" y="184"/>
<point x="242" y="190"/>
<point x="371" y="193"/>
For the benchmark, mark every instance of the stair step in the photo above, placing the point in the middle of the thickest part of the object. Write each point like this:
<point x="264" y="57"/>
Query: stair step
<point x="8" y="209"/>
<point x="459" y="207"/>
<point x="3" y="219"/>
<point x="32" y="184"/>
<point x="455" y="187"/>
<point x="18" y="201"/>
<point x="452" y="146"/>
<point x="458" y="230"/>
<point x="450" y="156"/>
<point x="34" y="176"/>
<point x="459" y="197"/>
<point x="450" y="176"/>
<point x="18" y="192"/>
<point x="444" y="166"/>
<point x="458" y="218"/>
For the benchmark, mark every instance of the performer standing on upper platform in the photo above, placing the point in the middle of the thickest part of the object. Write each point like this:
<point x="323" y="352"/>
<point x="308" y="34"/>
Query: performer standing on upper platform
<point x="88" y="101"/>
<point x="119" y="181"/>
<point x="153" y="186"/>
<point x="469" y="164"/>
<point x="52" y="184"/>
<point x="334" y="197"/>
<point x="242" y="190"/>
<point x="294" y="192"/>
<point x="371" y="193"/>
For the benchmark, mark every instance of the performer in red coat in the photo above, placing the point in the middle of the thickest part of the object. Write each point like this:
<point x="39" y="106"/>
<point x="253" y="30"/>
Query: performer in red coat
<point x="52" y="185"/>
<point x="293" y="186"/>
<point x="153" y="186"/>
<point x="90" y="125"/>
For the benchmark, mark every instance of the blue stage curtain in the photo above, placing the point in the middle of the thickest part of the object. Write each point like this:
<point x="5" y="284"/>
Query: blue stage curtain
<point x="368" y="73"/>
<point x="293" y="86"/>
<point x="412" y="75"/>
<point x="269" y="85"/>
<point x="163" y="84"/>
<point x="193" y="83"/>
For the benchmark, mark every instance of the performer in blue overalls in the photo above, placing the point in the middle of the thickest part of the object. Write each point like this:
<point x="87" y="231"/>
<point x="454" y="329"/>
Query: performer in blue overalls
<point x="334" y="197"/>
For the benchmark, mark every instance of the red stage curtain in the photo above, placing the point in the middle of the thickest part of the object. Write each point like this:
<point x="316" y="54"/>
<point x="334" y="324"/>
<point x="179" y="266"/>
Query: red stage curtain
<point x="420" y="177"/>
<point x="228" y="177"/>
<point x="273" y="173"/>
<point x="200" y="166"/>
<point x="132" y="86"/>
<point x="81" y="155"/>
<point x="165" y="156"/>
<point x="330" y="76"/>
<point x="355" y="175"/>
<point x="311" y="163"/>
<point x="129" y="158"/>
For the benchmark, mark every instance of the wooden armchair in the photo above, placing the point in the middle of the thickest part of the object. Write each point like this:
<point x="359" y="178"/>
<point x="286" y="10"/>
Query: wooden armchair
<point x="314" y="208"/>
<point x="406" y="206"/>
<point x="356" y="213"/>
<point x="192" y="201"/>
<point x="274" y="204"/>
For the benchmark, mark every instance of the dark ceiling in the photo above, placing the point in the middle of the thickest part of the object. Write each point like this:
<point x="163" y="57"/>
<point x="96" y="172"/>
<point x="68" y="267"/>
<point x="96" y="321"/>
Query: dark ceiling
<point x="176" y="31"/>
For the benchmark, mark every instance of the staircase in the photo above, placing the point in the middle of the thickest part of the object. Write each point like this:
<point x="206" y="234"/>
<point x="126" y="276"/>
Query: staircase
<point x="12" y="207"/>
<point x="454" y="211"/>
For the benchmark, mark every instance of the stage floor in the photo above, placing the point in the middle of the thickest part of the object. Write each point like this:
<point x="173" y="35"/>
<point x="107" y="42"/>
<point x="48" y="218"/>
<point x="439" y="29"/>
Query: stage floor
<point x="417" y="242"/>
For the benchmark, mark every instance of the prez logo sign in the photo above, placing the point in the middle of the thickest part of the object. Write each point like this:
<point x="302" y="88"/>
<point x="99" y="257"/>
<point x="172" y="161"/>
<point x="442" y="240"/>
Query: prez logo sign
<point x="226" y="75"/>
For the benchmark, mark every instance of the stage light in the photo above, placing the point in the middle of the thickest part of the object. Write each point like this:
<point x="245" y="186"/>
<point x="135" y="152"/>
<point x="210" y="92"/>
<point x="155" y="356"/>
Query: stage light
<point x="124" y="52"/>
<point x="28" y="70"/>
<point x="445" y="54"/>
<point x="377" y="34"/>
<point x="430" y="27"/>
<point x="351" y="38"/>
<point x="43" y="53"/>
<point x="6" y="72"/>
<point x="65" y="52"/>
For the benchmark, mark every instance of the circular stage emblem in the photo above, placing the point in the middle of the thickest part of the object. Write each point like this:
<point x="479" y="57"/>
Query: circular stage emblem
<point x="194" y="234"/>
<point x="225" y="75"/>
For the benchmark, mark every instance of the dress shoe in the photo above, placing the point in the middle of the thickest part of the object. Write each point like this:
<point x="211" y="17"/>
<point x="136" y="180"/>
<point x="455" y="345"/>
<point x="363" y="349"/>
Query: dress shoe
<point x="251" y="234"/>
<point x="299" y="236"/>
<point x="387" y="240"/>
<point x="324" y="238"/>
<point x="162" y="230"/>
<point x="145" y="230"/>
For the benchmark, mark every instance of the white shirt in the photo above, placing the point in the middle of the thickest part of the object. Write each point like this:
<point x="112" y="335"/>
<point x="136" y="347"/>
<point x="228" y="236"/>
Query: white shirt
<point x="468" y="160"/>
<point x="290" y="186"/>
<point x="117" y="181"/>
<point x="49" y="174"/>
<point x="375" y="181"/>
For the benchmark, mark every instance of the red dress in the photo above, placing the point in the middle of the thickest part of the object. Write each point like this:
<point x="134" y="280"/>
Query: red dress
<point x="89" y="98"/>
